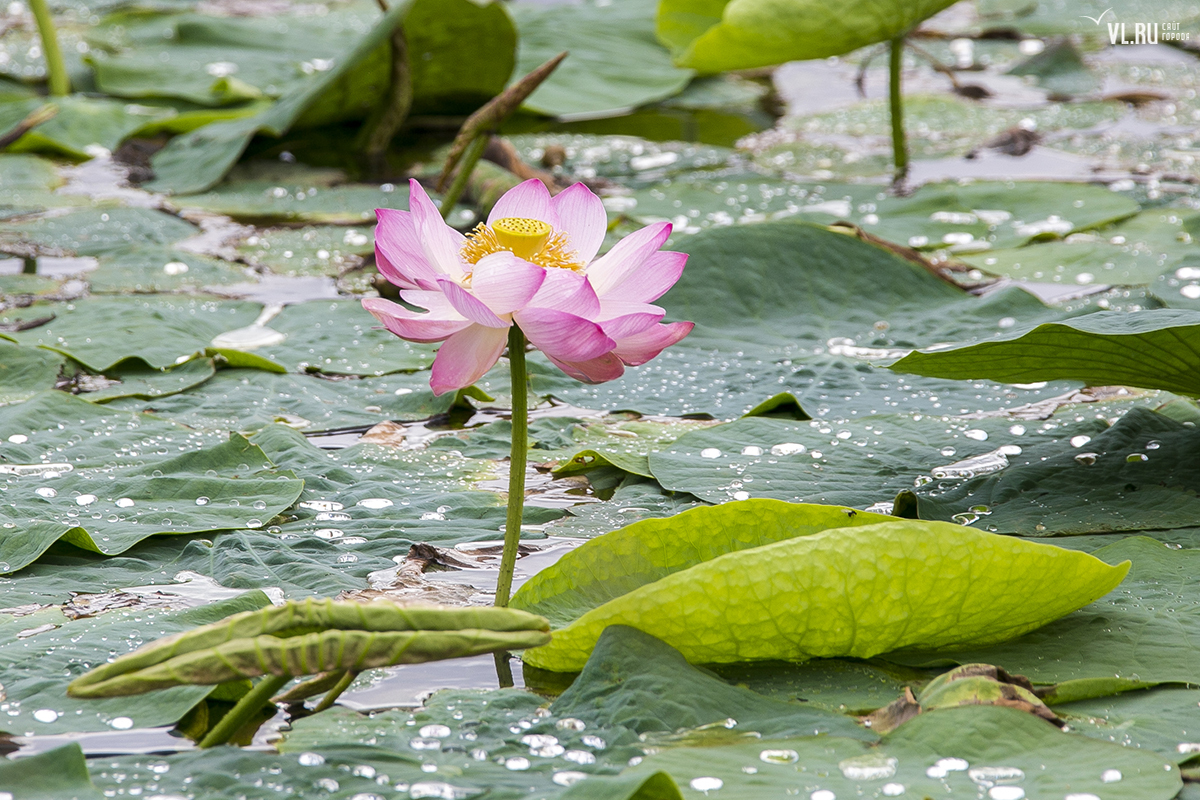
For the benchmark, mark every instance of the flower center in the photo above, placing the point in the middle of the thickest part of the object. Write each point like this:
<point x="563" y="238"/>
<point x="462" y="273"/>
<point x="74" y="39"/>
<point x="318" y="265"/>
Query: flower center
<point x="524" y="237"/>
<point x="529" y="239"/>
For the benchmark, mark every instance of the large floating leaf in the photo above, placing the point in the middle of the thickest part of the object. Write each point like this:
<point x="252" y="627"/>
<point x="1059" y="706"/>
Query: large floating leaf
<point x="1136" y="475"/>
<point x="635" y="681"/>
<point x="854" y="462"/>
<point x="262" y="200"/>
<point x="104" y="480"/>
<point x="38" y="666"/>
<point x="961" y="752"/>
<point x="102" y="332"/>
<point x="85" y="126"/>
<point x="615" y="63"/>
<point x="94" y="232"/>
<point x="247" y="400"/>
<point x="25" y="371"/>
<point x="719" y="35"/>
<point x="1158" y="349"/>
<point x="59" y="774"/>
<point x="620" y="562"/>
<point x="1159" y="719"/>
<point x="1143" y="632"/>
<point x="195" y="161"/>
<point x="807" y="311"/>
<point x="836" y="593"/>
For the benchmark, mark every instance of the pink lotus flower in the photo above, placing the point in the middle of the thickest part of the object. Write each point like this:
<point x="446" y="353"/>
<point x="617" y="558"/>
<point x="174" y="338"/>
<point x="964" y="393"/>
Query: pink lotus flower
<point x="533" y="264"/>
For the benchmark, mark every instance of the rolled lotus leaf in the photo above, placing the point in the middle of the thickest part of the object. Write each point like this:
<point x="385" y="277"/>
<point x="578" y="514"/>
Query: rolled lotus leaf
<point x="362" y="635"/>
<point x="345" y="651"/>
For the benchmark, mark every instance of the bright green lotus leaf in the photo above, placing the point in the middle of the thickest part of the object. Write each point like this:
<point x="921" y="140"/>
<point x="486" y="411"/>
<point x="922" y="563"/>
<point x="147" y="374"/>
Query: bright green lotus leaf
<point x="58" y="774"/>
<point x="848" y="461"/>
<point x="1143" y="632"/>
<point x="615" y="64"/>
<point x="1136" y="475"/>
<point x="265" y="201"/>
<point x="25" y="371"/>
<point x="836" y="593"/>
<point x="986" y="748"/>
<point x="100" y="333"/>
<point x="198" y="160"/>
<point x="632" y="680"/>
<point x="38" y="665"/>
<point x="1153" y="349"/>
<point x="720" y="35"/>
<point x="638" y="555"/>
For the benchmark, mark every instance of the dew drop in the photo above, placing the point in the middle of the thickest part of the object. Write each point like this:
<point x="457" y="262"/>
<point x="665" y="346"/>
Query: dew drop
<point x="46" y="715"/>
<point x="892" y="789"/>
<point x="788" y="449"/>
<point x="321" y="505"/>
<point x="1153" y="444"/>
<point x="120" y="723"/>
<point x="1087" y="459"/>
<point x="517" y="763"/>
<point x="579" y="757"/>
<point x="871" y="767"/>
<point x="1080" y="441"/>
<point x="46" y="491"/>
<point x="706" y="784"/>
<point x="568" y="777"/>
<point x="779" y="756"/>
<point x="85" y="499"/>
<point x="201" y="501"/>
<point x="425" y="743"/>
<point x="328" y="533"/>
<point x="1132" y="458"/>
<point x="434" y="731"/>
<point x="976" y="434"/>
<point x="124" y="502"/>
<point x="947" y="451"/>
<point x="1110" y="776"/>
<point x="375" y="503"/>
<point x="710" y="452"/>
<point x="822" y="794"/>
<point x="18" y="438"/>
<point x="752" y="450"/>
<point x="310" y="759"/>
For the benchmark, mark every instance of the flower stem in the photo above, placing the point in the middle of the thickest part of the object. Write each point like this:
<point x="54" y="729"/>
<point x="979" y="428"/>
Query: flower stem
<point x="469" y="160"/>
<point x="334" y="693"/>
<point x="516" y="463"/>
<point x="244" y="710"/>
<point x="56" y="68"/>
<point x="899" y="145"/>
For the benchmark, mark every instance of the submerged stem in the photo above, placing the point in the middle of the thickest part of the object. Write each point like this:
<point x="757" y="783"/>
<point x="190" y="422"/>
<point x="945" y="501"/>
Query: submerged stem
<point x="56" y="68"/>
<point x="899" y="145"/>
<point x="466" y="165"/>
<point x="244" y="710"/>
<point x="336" y="691"/>
<point x="516" y="465"/>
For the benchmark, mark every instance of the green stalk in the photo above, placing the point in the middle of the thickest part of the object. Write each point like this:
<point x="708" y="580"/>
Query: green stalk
<point x="469" y="160"/>
<point x="244" y="710"/>
<point x="899" y="145"/>
<point x="333" y="694"/>
<point x="56" y="68"/>
<point x="516" y="464"/>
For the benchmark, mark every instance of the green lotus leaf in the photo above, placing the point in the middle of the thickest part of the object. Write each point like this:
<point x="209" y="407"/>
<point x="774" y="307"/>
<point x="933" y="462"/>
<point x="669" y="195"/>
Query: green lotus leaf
<point x="719" y="35"/>
<point x="301" y="638"/>
<point x="1153" y="349"/>
<point x="637" y="555"/>
<point x="851" y="591"/>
